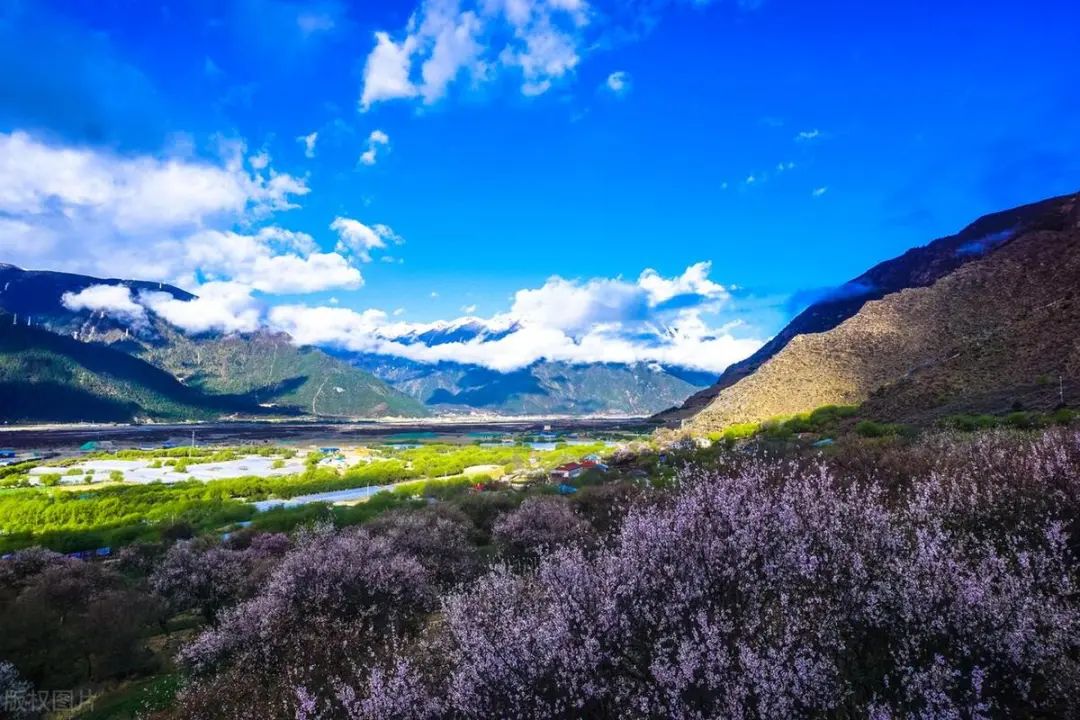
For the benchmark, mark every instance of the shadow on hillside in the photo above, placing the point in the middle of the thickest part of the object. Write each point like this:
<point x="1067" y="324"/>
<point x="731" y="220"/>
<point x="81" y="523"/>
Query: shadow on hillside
<point x="119" y="367"/>
<point x="483" y="387"/>
<point x="55" y="402"/>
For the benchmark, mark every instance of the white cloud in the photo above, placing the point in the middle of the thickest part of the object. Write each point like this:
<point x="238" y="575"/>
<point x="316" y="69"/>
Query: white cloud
<point x="386" y="72"/>
<point x="818" y="192"/>
<point x="448" y="41"/>
<point x="618" y="82"/>
<point x="260" y="160"/>
<point x="226" y="307"/>
<point x="359" y="239"/>
<point x="806" y="135"/>
<point x="294" y="274"/>
<point x="113" y="300"/>
<point x="693" y="283"/>
<point x="375" y="140"/>
<point x="654" y="319"/>
<point x="453" y="37"/>
<point x="308" y="142"/>
<point x="131" y="194"/>
<point x="257" y="261"/>
<point x="170" y="219"/>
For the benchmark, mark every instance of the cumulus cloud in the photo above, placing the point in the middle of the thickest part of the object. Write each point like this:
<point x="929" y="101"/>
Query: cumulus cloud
<point x="375" y="140"/>
<point x="448" y="41"/>
<point x="359" y="239"/>
<point x="386" y="72"/>
<point x="292" y="274"/>
<point x="818" y="192"/>
<point x="131" y="194"/>
<point x="226" y="307"/>
<point x="112" y="300"/>
<point x="538" y="44"/>
<point x="807" y="135"/>
<point x="166" y="219"/>
<point x="653" y="319"/>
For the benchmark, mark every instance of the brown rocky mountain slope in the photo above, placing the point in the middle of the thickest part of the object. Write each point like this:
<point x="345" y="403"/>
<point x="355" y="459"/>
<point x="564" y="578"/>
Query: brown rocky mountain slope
<point x="1000" y="330"/>
<point x="918" y="267"/>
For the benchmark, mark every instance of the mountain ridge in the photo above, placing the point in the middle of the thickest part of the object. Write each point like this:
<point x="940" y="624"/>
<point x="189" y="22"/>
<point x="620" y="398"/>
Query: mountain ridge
<point x="263" y="367"/>
<point x="988" y="335"/>
<point x="543" y="387"/>
<point x="919" y="266"/>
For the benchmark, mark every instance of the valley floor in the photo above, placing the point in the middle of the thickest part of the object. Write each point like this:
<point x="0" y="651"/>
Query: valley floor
<point x="449" y="429"/>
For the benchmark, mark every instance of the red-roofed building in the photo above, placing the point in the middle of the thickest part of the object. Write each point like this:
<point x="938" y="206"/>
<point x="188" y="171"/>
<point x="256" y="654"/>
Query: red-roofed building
<point x="575" y="469"/>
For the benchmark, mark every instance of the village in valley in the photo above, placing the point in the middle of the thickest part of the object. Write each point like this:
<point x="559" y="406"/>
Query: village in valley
<point x="103" y="494"/>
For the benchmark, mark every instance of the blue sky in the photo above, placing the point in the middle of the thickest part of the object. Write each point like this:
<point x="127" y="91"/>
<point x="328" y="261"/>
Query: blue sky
<point x="790" y="144"/>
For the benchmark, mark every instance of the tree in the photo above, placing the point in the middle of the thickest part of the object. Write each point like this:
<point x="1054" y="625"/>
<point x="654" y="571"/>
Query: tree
<point x="206" y="580"/>
<point x="332" y="608"/>
<point x="540" y="523"/>
<point x="438" y="539"/>
<point x="74" y="622"/>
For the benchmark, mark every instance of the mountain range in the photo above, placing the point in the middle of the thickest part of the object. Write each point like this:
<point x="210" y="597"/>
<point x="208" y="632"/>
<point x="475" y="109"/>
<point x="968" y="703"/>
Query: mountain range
<point x="104" y="356"/>
<point x="542" y="388"/>
<point x="49" y="346"/>
<point x="981" y="321"/>
<point x="984" y="320"/>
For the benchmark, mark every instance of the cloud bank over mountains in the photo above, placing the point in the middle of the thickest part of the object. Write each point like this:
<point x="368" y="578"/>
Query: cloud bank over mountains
<point x="653" y="319"/>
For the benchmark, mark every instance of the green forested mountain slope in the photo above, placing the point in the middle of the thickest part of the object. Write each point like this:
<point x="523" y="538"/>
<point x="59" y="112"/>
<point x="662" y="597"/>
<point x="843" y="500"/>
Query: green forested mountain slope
<point x="46" y="377"/>
<point x="260" y="368"/>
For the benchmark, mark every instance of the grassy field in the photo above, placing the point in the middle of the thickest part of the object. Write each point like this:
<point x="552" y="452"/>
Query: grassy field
<point x="71" y="511"/>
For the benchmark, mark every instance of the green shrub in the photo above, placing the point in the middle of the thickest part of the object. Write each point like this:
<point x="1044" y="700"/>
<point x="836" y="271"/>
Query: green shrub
<point x="970" y="423"/>
<point x="799" y="424"/>
<point x="740" y="431"/>
<point x="828" y="413"/>
<point x="116" y="476"/>
<point x="50" y="479"/>
<point x="871" y="429"/>
<point x="1023" y="420"/>
<point x="775" y="429"/>
<point x="74" y="471"/>
<point x="1064" y="416"/>
<point x="277" y="464"/>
